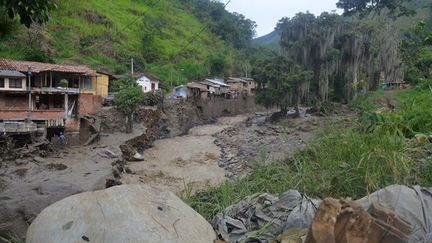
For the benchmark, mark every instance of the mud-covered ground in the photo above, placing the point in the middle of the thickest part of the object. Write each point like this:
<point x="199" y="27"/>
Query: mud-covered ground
<point x="29" y="185"/>
<point x="206" y="156"/>
<point x="259" y="142"/>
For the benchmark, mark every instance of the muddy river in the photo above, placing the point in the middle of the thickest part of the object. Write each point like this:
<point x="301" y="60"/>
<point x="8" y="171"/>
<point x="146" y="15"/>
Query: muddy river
<point x="187" y="162"/>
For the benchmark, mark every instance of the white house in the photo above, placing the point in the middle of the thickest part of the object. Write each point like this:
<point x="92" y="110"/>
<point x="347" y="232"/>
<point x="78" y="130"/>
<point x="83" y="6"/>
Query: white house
<point x="149" y="83"/>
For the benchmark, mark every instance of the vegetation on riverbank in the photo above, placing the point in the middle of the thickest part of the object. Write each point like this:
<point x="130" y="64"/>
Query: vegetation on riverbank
<point x="379" y="149"/>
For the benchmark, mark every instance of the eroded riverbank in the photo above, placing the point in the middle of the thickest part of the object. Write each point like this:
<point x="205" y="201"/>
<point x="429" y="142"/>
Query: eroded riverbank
<point x="205" y="157"/>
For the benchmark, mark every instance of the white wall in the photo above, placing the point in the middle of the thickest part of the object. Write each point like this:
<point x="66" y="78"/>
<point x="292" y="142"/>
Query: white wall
<point x="146" y="84"/>
<point x="6" y="85"/>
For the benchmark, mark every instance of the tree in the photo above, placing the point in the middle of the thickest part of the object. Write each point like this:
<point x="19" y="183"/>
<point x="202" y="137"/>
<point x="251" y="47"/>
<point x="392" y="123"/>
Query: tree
<point x="127" y="101"/>
<point x="283" y="81"/>
<point x="234" y="28"/>
<point x="394" y="8"/>
<point x="29" y="11"/>
<point x="345" y="56"/>
<point x="216" y="64"/>
<point x="417" y="53"/>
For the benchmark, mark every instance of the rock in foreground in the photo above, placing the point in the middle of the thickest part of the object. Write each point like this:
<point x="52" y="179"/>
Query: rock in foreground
<point x="120" y="214"/>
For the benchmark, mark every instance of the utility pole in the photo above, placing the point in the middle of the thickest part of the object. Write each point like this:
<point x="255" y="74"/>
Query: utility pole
<point x="132" y="67"/>
<point x="29" y="90"/>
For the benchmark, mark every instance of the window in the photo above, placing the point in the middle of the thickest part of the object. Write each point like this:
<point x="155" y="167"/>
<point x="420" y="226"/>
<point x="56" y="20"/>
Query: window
<point x="2" y="83"/>
<point x="58" y="101"/>
<point x="15" y="83"/>
<point x="86" y="83"/>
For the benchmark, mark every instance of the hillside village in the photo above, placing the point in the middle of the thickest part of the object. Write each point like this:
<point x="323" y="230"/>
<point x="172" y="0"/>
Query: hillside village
<point x="42" y="100"/>
<point x="173" y="121"/>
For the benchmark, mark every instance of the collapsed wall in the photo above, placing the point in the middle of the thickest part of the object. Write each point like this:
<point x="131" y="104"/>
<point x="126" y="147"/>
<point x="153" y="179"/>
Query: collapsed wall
<point x="180" y="115"/>
<point x="174" y="117"/>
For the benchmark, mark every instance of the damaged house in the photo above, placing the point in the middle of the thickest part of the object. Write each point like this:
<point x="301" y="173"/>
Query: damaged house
<point x="216" y="87"/>
<point x="241" y="85"/>
<point x="53" y="97"/>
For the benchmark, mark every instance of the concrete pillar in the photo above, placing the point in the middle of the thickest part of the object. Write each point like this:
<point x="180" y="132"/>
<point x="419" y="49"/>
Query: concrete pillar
<point x="66" y="106"/>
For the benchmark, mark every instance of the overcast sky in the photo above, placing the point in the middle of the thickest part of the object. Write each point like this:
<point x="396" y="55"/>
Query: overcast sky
<point x="266" y="13"/>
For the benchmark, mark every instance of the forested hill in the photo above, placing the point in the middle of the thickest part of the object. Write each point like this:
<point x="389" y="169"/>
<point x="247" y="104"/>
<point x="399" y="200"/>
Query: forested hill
<point x="270" y="40"/>
<point x="177" y="40"/>
<point x="423" y="10"/>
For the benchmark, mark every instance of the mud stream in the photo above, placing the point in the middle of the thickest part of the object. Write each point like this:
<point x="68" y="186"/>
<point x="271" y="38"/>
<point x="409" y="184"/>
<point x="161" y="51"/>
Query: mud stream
<point x="189" y="162"/>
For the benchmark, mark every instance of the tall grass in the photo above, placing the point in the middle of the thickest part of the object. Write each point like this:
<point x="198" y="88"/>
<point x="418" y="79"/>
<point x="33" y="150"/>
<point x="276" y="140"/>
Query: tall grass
<point x="343" y="162"/>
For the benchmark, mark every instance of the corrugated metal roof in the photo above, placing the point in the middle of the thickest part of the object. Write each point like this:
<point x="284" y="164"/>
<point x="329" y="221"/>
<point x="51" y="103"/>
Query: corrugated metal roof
<point x="37" y="67"/>
<point x="217" y="82"/>
<point x="11" y="74"/>
<point x="236" y="80"/>
<point x="210" y="84"/>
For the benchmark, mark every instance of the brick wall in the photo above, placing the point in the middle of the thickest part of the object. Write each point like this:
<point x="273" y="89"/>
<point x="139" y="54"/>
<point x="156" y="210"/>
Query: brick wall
<point x="89" y="104"/>
<point x="72" y="126"/>
<point x="13" y="115"/>
<point x="53" y="114"/>
<point x="17" y="102"/>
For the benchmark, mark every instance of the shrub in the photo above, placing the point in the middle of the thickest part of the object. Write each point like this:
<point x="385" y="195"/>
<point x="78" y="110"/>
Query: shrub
<point x="63" y="83"/>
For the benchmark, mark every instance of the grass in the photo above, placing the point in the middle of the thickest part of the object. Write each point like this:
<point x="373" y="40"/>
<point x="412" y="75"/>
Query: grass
<point x="343" y="162"/>
<point x="109" y="41"/>
<point x="12" y="238"/>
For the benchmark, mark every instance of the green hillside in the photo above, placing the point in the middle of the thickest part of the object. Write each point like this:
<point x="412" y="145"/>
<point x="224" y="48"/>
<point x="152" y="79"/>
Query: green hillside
<point x="107" y="34"/>
<point x="270" y="40"/>
<point x="423" y="12"/>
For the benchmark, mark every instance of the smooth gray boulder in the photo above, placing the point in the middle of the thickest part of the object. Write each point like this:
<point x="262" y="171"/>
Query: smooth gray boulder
<point x="129" y="213"/>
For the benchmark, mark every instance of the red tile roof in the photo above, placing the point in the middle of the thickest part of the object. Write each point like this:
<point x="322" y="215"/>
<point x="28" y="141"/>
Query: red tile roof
<point x="37" y="67"/>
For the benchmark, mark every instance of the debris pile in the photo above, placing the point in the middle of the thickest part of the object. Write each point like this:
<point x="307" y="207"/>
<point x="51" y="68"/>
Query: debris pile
<point x="133" y="149"/>
<point x="394" y="214"/>
<point x="119" y="167"/>
<point x="261" y="218"/>
<point x="344" y="221"/>
<point x="260" y="142"/>
<point x="9" y="152"/>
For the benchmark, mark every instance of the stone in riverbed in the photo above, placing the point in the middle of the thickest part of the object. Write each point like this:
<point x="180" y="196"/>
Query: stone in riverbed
<point x="130" y="213"/>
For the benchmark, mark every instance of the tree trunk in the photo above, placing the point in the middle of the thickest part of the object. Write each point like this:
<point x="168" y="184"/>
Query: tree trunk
<point x="129" y="123"/>
<point x="297" y="104"/>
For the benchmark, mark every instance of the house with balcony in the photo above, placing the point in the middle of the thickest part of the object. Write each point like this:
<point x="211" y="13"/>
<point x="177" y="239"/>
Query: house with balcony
<point x="49" y="95"/>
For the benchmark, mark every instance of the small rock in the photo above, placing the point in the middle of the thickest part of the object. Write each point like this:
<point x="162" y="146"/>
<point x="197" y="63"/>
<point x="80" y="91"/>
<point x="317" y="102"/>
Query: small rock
<point x="138" y="157"/>
<point x="109" y="154"/>
<point x="21" y="162"/>
<point x="39" y="159"/>
<point x="129" y="171"/>
<point x="53" y="166"/>
<point x="421" y="138"/>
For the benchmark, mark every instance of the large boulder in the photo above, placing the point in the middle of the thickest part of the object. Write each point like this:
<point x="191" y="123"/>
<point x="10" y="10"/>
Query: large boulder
<point x="130" y="213"/>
